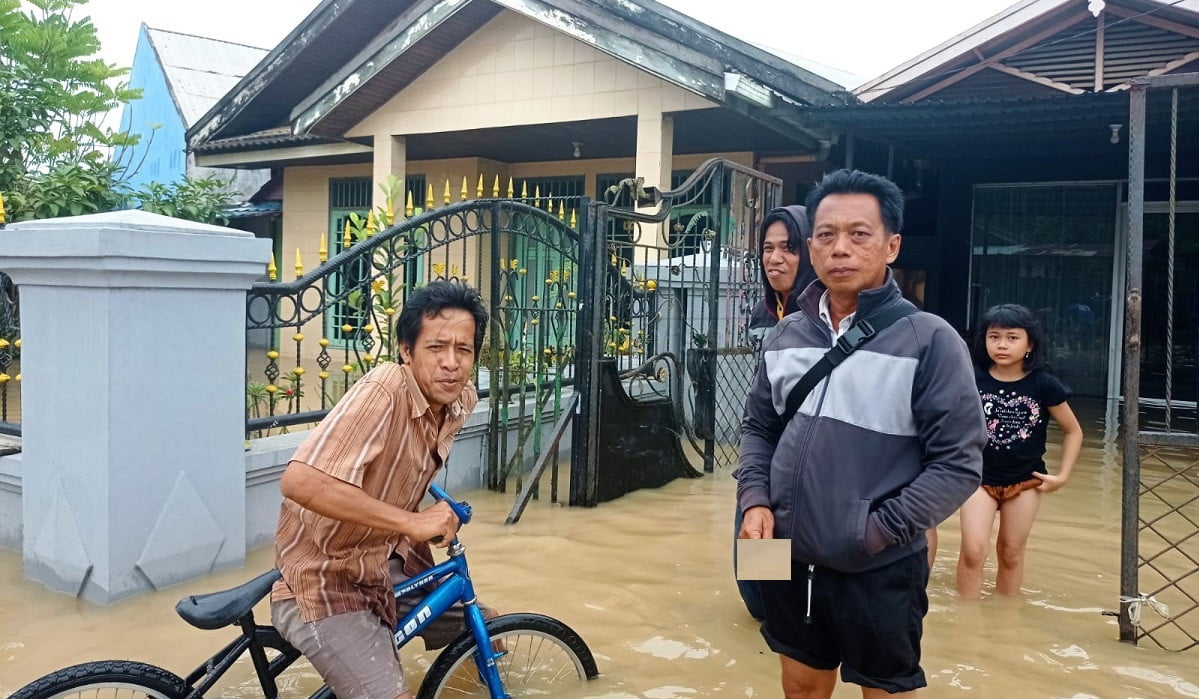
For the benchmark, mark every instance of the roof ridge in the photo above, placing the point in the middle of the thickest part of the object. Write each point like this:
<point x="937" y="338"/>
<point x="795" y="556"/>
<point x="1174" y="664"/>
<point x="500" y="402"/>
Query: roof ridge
<point x="205" y="38"/>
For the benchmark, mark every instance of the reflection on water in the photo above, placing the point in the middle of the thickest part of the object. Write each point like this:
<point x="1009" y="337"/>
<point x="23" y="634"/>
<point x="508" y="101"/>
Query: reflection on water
<point x="646" y="580"/>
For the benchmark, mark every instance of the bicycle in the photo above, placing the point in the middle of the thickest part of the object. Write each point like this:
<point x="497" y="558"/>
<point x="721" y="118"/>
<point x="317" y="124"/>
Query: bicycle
<point x="531" y="653"/>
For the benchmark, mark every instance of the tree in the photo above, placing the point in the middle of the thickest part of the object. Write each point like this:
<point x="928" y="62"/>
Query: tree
<point x="200" y="199"/>
<point x="54" y="96"/>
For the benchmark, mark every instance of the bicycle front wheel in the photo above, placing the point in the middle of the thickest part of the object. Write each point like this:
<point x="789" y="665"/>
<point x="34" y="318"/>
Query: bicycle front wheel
<point x="106" y="679"/>
<point x="541" y="657"/>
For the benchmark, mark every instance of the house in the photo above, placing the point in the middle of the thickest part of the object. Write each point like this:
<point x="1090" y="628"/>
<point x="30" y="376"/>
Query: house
<point x="563" y="98"/>
<point x="1011" y="143"/>
<point x="181" y="76"/>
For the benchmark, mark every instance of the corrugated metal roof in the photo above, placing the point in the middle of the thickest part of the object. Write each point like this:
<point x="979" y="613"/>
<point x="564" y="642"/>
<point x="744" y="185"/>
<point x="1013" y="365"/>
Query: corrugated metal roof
<point x="200" y="70"/>
<point x="269" y="137"/>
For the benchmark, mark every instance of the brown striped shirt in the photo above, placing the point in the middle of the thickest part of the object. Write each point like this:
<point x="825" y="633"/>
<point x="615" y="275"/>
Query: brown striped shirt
<point x="382" y="437"/>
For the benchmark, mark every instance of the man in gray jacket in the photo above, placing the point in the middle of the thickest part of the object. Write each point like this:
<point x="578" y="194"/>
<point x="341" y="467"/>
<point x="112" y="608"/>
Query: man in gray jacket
<point x="889" y="445"/>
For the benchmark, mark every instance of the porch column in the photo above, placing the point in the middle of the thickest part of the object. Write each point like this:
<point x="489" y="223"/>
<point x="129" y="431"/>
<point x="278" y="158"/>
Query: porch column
<point x="655" y="153"/>
<point x="134" y="369"/>
<point x="391" y="158"/>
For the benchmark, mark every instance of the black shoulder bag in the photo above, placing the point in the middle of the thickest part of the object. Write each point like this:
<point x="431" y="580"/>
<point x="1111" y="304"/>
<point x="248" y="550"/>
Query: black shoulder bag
<point x="857" y="335"/>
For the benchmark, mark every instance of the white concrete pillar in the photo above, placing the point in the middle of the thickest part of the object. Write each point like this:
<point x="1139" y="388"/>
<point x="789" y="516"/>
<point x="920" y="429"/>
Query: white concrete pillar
<point x="655" y="155"/>
<point x="391" y="158"/>
<point x="133" y="416"/>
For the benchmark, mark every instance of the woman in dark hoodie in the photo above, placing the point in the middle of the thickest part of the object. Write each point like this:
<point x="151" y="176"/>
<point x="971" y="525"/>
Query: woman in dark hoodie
<point x="783" y="256"/>
<point x="786" y="271"/>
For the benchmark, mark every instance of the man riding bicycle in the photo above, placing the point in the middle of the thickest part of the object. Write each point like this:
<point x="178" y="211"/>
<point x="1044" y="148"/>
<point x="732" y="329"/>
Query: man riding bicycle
<point x="350" y="524"/>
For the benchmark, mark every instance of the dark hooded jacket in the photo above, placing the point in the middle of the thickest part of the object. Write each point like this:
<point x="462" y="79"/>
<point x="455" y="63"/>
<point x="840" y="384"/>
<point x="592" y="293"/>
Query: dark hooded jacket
<point x="765" y="313"/>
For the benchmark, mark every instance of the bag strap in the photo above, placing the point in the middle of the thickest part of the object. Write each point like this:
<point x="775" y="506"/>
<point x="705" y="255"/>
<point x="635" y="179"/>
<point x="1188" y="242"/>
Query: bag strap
<point x="857" y="335"/>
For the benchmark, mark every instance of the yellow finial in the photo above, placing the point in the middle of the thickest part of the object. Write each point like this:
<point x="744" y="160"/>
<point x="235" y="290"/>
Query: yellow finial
<point x="510" y="191"/>
<point x="323" y="253"/>
<point x="574" y="219"/>
<point x="346" y="239"/>
<point x="370" y="224"/>
<point x="429" y="198"/>
<point x="391" y="212"/>
<point x="537" y="195"/>
<point x="524" y="189"/>
<point x="299" y="264"/>
<point x="447" y="190"/>
<point x="561" y="211"/>
<point x="3" y="215"/>
<point x="495" y="188"/>
<point x="272" y="272"/>
<point x="479" y="189"/>
<point x="409" y="209"/>
<point x="462" y="195"/>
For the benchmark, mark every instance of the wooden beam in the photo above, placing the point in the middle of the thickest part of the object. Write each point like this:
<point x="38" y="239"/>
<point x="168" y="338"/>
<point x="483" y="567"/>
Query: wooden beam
<point x="1153" y="21"/>
<point x="1169" y="67"/>
<point x="1099" y="31"/>
<point x="1017" y="48"/>
<point x="1034" y="78"/>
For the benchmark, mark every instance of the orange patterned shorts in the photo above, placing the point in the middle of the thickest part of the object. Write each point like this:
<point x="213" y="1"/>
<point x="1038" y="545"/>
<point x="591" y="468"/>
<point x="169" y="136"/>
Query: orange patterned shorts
<point x="1007" y="492"/>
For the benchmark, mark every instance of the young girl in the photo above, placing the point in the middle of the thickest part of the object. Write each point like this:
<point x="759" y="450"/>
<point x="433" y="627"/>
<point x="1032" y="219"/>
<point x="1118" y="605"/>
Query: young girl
<point x="1010" y="355"/>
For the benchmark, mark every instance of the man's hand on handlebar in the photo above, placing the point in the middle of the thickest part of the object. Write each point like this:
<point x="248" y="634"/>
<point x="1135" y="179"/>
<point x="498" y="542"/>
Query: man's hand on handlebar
<point x="436" y="525"/>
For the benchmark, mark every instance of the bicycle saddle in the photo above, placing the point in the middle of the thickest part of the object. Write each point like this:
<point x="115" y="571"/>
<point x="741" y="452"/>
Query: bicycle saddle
<point x="219" y="609"/>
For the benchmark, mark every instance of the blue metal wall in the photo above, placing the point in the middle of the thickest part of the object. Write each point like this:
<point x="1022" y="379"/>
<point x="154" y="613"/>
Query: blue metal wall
<point x="162" y="148"/>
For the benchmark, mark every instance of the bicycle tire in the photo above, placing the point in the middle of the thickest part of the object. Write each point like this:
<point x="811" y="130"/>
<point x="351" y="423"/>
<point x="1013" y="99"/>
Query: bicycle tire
<point x="451" y="675"/>
<point x="123" y="675"/>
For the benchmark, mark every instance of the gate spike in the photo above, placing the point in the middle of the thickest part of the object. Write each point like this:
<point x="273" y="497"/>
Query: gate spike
<point x="463" y="194"/>
<point x="408" y="208"/>
<point x="510" y="190"/>
<point x="561" y="211"/>
<point x="391" y="212"/>
<point x="447" y="190"/>
<point x="272" y="272"/>
<point x="574" y="221"/>
<point x="524" y="189"/>
<point x="299" y="264"/>
<point x="537" y="195"/>
<point x="479" y="189"/>
<point x="346" y="239"/>
<point x="495" y="188"/>
<point x="429" y="198"/>
<point x="370" y="224"/>
<point x="323" y="252"/>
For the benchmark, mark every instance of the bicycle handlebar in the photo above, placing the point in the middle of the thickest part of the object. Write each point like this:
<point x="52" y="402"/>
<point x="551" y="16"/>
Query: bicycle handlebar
<point x="461" y="509"/>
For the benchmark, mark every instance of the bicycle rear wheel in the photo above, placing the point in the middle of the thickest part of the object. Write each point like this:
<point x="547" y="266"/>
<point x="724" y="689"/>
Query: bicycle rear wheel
<point x="106" y="679"/>
<point x="542" y="657"/>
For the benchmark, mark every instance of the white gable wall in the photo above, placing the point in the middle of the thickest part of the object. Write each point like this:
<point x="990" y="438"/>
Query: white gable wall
<point x="515" y="71"/>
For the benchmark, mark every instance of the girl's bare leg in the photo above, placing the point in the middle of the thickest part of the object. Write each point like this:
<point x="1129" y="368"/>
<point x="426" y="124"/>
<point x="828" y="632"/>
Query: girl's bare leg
<point x="977" y="516"/>
<point x="1015" y="523"/>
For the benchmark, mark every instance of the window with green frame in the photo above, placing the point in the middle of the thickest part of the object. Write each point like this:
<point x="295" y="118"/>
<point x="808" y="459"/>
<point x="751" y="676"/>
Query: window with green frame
<point x="352" y="196"/>
<point x="685" y="234"/>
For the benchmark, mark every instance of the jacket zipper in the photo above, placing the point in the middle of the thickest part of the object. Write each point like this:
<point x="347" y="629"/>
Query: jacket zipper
<point x="807" y="445"/>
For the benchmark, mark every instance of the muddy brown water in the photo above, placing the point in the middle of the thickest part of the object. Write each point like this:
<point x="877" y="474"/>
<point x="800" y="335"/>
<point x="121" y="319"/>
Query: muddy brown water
<point x="646" y="580"/>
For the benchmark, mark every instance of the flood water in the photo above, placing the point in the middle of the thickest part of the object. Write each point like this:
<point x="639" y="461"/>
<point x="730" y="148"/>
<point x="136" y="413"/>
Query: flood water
<point x="646" y="580"/>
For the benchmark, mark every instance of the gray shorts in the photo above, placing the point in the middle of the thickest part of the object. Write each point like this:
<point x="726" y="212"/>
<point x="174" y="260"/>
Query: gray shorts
<point x="355" y="652"/>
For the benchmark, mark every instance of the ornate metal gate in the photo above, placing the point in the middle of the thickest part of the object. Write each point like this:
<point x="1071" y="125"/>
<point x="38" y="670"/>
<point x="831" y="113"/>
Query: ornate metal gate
<point x="1159" y="580"/>
<point x="621" y="294"/>
<point x="677" y="278"/>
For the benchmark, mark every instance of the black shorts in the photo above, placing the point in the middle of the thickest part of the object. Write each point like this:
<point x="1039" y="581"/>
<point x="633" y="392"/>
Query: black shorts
<point x="867" y="623"/>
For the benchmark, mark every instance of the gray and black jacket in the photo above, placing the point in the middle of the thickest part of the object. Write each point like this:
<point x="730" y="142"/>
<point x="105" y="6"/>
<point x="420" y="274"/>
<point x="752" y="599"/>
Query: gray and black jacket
<point x="887" y="446"/>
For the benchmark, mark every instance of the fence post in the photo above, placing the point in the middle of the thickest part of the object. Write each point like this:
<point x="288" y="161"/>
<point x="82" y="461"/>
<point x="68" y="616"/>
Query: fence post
<point x="1129" y="525"/>
<point x="134" y="398"/>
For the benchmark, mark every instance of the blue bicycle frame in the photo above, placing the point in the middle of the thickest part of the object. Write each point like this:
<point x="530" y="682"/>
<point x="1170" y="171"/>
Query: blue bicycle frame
<point x="455" y="586"/>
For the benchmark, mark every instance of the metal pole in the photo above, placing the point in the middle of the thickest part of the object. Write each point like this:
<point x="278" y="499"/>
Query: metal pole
<point x="494" y="389"/>
<point x="1129" y="524"/>
<point x="719" y="220"/>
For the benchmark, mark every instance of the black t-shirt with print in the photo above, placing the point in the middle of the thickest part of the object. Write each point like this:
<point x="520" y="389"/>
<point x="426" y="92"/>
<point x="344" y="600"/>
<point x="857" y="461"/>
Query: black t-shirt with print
<point x="1017" y="421"/>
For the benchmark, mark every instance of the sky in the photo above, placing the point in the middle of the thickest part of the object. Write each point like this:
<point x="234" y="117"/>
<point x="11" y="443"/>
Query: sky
<point x="864" y="38"/>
